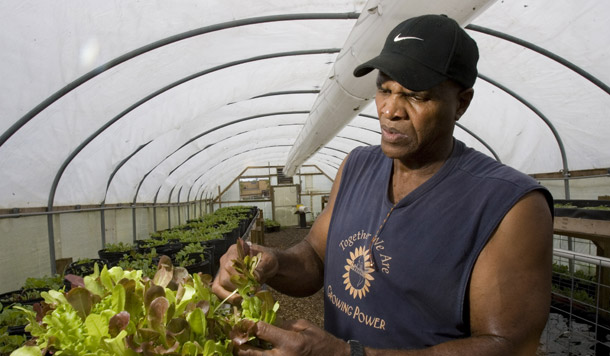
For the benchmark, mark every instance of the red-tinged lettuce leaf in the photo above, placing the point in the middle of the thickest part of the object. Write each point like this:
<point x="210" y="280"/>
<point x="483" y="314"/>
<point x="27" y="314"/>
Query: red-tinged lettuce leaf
<point x="165" y="272"/>
<point x="179" y="329"/>
<point x="204" y="305"/>
<point x="147" y="335"/>
<point x="117" y="323"/>
<point x="162" y="350"/>
<point x="148" y="349"/>
<point x="205" y="279"/>
<point x="152" y="293"/>
<point x="156" y="314"/>
<point x="180" y="293"/>
<point x="243" y="331"/>
<point x="75" y="281"/>
<point x="180" y="277"/>
<point x="132" y="344"/>
<point x="80" y="299"/>
<point x="41" y="310"/>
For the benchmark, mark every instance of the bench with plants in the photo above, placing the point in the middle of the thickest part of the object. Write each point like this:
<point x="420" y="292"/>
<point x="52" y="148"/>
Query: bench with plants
<point x="272" y="225"/>
<point x="30" y="291"/>
<point x="12" y="328"/>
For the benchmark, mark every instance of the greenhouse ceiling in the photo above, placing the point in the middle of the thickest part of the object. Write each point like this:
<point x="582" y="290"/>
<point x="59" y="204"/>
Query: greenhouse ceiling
<point x="108" y="102"/>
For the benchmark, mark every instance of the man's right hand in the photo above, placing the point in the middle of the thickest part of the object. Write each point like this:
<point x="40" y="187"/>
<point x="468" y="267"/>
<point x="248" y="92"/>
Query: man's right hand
<point x="266" y="269"/>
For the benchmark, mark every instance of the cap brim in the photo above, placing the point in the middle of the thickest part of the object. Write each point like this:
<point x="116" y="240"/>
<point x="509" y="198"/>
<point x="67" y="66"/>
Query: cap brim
<point x="407" y="72"/>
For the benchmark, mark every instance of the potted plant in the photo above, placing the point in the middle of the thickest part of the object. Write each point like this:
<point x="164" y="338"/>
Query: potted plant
<point x="113" y="252"/>
<point x="143" y="261"/>
<point x="12" y="329"/>
<point x="271" y="225"/>
<point x="30" y="292"/>
<point x="167" y="247"/>
<point x="84" y="266"/>
<point x="195" y="257"/>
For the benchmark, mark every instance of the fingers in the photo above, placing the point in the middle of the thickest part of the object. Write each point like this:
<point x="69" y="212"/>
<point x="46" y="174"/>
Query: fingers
<point x="247" y="350"/>
<point x="264" y="332"/>
<point x="268" y="266"/>
<point x="222" y="285"/>
<point x="294" y="325"/>
<point x="294" y="338"/>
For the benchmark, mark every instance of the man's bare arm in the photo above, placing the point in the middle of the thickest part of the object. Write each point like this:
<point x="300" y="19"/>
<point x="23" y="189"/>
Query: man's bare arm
<point x="296" y="271"/>
<point x="304" y="262"/>
<point x="510" y="288"/>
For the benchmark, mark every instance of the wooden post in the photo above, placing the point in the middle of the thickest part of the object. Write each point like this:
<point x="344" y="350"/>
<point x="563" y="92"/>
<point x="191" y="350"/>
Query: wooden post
<point x="257" y="234"/>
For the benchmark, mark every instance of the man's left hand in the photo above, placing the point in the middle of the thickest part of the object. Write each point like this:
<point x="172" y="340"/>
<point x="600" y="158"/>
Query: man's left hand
<point x="295" y="338"/>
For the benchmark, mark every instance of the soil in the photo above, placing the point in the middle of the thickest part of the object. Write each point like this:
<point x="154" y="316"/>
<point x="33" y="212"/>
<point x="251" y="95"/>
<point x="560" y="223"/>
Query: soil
<point x="310" y="308"/>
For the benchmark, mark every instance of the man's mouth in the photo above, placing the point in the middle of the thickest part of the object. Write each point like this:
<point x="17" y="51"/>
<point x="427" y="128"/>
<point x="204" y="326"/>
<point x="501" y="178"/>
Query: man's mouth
<point x="391" y="135"/>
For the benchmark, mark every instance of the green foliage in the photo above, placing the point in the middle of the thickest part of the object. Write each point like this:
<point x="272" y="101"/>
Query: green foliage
<point x="182" y="257"/>
<point x="82" y="261"/>
<point x="257" y="304"/>
<point x="139" y="261"/>
<point x="11" y="317"/>
<point x="8" y="342"/>
<point x="54" y="282"/>
<point x="118" y="247"/>
<point x="149" y="243"/>
<point x="271" y="223"/>
<point x="572" y="206"/>
<point x="31" y="289"/>
<point x="121" y="312"/>
<point x="580" y="279"/>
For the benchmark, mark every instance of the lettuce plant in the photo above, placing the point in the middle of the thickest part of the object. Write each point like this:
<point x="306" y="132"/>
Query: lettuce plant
<point x="123" y="313"/>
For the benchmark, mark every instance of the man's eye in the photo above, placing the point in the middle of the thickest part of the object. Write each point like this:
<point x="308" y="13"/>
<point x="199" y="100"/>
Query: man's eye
<point x="417" y="98"/>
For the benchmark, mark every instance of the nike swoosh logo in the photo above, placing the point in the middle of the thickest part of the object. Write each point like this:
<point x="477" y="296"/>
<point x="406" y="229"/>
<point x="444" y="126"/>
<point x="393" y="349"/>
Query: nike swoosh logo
<point x="398" y="38"/>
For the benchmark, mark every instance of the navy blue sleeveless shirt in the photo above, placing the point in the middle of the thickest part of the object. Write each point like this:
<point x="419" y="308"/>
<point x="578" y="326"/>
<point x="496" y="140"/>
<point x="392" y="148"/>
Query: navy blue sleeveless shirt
<point x="425" y="253"/>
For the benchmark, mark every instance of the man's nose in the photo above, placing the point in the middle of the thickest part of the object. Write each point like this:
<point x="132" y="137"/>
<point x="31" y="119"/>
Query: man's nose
<point x="392" y="110"/>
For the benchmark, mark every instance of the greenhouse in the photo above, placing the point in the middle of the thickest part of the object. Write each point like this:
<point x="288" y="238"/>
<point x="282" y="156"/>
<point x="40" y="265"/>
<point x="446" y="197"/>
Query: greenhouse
<point x="126" y="120"/>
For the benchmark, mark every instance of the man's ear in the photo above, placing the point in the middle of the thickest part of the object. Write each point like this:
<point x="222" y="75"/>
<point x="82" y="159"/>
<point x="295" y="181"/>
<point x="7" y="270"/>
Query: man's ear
<point x="464" y="99"/>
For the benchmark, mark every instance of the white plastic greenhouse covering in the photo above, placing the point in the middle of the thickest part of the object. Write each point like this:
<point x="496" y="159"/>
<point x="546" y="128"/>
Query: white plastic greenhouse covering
<point x="121" y="101"/>
<point x="125" y="102"/>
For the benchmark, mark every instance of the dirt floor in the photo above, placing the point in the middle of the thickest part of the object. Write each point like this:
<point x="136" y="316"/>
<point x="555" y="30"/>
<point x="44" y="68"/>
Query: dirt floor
<point x="310" y="308"/>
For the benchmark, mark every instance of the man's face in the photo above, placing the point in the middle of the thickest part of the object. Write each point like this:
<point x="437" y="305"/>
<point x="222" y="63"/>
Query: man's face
<point x="414" y="124"/>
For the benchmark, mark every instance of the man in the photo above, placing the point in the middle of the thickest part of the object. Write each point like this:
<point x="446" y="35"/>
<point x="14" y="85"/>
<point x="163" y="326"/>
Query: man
<point x="427" y="247"/>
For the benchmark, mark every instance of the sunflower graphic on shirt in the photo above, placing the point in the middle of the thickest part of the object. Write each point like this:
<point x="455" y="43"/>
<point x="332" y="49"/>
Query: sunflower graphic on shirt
<point x="357" y="278"/>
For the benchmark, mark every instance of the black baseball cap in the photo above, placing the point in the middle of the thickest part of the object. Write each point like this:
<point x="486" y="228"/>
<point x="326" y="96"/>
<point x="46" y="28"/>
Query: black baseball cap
<point x="424" y="51"/>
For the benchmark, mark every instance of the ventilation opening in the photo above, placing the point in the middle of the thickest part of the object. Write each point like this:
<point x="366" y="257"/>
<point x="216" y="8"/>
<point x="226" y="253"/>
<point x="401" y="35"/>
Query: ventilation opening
<point x="282" y="179"/>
